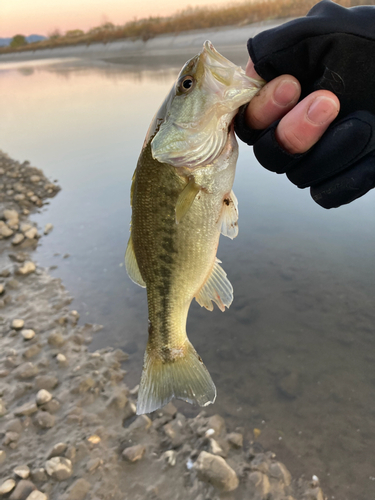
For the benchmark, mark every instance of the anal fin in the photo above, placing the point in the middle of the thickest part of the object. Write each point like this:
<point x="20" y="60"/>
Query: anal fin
<point x="217" y="288"/>
<point x="229" y="216"/>
<point x="186" y="198"/>
<point x="131" y="265"/>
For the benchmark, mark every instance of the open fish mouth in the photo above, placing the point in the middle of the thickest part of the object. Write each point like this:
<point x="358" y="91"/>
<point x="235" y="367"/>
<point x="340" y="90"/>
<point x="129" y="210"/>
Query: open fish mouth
<point x="208" y="92"/>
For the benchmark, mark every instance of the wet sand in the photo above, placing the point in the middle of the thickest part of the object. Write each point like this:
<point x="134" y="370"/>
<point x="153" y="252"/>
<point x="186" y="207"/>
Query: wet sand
<point x="68" y="423"/>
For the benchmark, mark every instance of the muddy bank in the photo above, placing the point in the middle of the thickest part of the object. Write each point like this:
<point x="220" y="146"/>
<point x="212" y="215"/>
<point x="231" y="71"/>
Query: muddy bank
<point x="68" y="423"/>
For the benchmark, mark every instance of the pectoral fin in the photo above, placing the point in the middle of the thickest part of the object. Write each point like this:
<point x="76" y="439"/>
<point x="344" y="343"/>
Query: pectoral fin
<point x="217" y="289"/>
<point x="229" y="217"/>
<point x="186" y="198"/>
<point x="131" y="265"/>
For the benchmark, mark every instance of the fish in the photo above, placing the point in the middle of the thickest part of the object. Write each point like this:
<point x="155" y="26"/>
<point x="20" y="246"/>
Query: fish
<point x="182" y="200"/>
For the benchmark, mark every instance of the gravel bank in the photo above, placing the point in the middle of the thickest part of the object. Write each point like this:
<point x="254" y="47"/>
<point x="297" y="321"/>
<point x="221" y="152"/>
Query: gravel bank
<point x="68" y="428"/>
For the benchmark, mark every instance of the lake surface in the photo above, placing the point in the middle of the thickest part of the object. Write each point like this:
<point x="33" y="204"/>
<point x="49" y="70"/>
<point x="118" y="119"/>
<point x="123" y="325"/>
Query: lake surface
<point x="294" y="356"/>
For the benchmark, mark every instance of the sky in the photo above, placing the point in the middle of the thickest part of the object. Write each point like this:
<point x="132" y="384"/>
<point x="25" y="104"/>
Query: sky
<point x="42" y="17"/>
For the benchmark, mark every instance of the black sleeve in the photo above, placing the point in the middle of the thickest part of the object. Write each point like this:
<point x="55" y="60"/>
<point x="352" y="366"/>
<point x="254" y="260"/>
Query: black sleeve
<point x="331" y="48"/>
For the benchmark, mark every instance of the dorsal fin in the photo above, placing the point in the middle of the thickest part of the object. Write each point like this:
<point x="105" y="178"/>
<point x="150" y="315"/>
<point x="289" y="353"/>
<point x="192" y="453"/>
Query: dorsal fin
<point x="131" y="265"/>
<point x="217" y="288"/>
<point x="229" y="216"/>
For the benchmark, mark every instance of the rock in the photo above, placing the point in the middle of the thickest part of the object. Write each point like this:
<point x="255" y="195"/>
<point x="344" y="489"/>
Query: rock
<point x="129" y="410"/>
<point x="71" y="452"/>
<point x="35" y="179"/>
<point x="58" y="450"/>
<point x="48" y="228"/>
<point x="235" y="439"/>
<point x="279" y="471"/>
<point x="26" y="409"/>
<point x="5" y="273"/>
<point x="5" y="231"/>
<point x="22" y="490"/>
<point x="32" y="351"/>
<point x="170" y="457"/>
<point x="59" y="468"/>
<point x="32" y="233"/>
<point x="83" y="385"/>
<point x="93" y="464"/>
<point x="141" y="423"/>
<point x="37" y="495"/>
<point x="14" y="285"/>
<point x="61" y="359"/>
<point x="3" y="456"/>
<point x="22" y="471"/>
<point x="1" y="288"/>
<point x="18" y="238"/>
<point x="118" y="400"/>
<point x="39" y="475"/>
<point x="28" y="268"/>
<point x="215" y="448"/>
<point x="173" y="431"/>
<point x="45" y="420"/>
<point x="3" y="409"/>
<point x="79" y="489"/>
<point x="261" y="483"/>
<point x="215" y="470"/>
<point x="56" y="339"/>
<point x="14" y="425"/>
<point x="11" y="216"/>
<point x="217" y="423"/>
<point x="28" y="334"/>
<point x="7" y="486"/>
<point x="47" y="382"/>
<point x="52" y="406"/>
<point x="43" y="396"/>
<point x="26" y="370"/>
<point x="134" y="453"/>
<point x="25" y="226"/>
<point x="18" y="324"/>
<point x="4" y="373"/>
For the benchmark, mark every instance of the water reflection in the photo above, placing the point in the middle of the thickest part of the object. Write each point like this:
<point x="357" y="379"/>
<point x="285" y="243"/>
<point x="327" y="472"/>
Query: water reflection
<point x="294" y="356"/>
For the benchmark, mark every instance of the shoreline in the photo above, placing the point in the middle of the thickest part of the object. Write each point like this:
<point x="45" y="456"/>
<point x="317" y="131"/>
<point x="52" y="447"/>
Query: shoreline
<point x="183" y="44"/>
<point x="69" y="425"/>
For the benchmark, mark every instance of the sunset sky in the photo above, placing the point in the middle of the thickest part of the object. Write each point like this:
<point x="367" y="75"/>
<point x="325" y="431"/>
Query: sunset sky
<point x="44" y="16"/>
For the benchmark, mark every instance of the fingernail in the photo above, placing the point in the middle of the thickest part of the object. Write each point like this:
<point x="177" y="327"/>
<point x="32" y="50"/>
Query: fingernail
<point x="322" y="110"/>
<point x="286" y="92"/>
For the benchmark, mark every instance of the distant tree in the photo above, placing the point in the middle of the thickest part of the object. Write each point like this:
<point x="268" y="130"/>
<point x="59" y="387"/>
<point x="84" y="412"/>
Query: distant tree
<point x="73" y="33"/>
<point x="54" y="35"/>
<point x="18" y="41"/>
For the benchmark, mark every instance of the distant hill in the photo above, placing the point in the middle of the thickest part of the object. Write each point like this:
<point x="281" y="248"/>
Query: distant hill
<point x="4" y="42"/>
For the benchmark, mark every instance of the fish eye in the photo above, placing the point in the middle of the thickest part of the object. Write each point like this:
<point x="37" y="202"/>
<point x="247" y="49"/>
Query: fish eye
<point x="185" y="84"/>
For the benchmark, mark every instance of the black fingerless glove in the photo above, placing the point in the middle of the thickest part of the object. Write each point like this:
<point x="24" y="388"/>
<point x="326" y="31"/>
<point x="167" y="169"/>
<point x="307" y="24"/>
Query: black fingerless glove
<point x="331" y="48"/>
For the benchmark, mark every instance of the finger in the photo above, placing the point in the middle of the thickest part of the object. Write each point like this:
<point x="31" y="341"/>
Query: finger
<point x="273" y="102"/>
<point x="303" y="126"/>
<point x="250" y="70"/>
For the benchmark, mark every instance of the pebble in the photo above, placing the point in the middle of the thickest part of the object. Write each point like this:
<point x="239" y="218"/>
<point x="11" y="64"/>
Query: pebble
<point x="235" y="439"/>
<point x="93" y="464"/>
<point x="3" y="410"/>
<point x="18" y="324"/>
<point x="170" y="457"/>
<point x="25" y="410"/>
<point x="45" y="420"/>
<point x="35" y="179"/>
<point x="61" y="359"/>
<point x="22" y="490"/>
<point x="134" y="453"/>
<point x="52" y="406"/>
<point x="58" y="450"/>
<point x="22" y="471"/>
<point x="32" y="233"/>
<point x="56" y="339"/>
<point x="37" y="495"/>
<point x="261" y="483"/>
<point x="25" y="226"/>
<point x="32" y="351"/>
<point x="26" y="370"/>
<point x="18" y="238"/>
<point x="1" y="288"/>
<point x="5" y="231"/>
<point x="79" y="489"/>
<point x="28" y="334"/>
<point x="47" y="382"/>
<point x="215" y="448"/>
<point x="215" y="470"/>
<point x="59" y="468"/>
<point x="43" y="396"/>
<point x="28" y="268"/>
<point x="11" y="216"/>
<point x="7" y="486"/>
<point x="279" y="471"/>
<point x="39" y="475"/>
<point x="48" y="228"/>
<point x="142" y="423"/>
<point x="3" y="456"/>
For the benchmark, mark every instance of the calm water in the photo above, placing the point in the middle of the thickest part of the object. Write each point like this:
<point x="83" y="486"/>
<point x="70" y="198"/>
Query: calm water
<point x="295" y="354"/>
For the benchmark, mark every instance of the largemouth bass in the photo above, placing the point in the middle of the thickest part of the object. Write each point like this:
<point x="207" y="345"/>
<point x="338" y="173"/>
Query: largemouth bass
<point x="182" y="200"/>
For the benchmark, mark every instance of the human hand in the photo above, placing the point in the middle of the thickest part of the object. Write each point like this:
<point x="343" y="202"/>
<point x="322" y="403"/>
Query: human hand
<point x="321" y="142"/>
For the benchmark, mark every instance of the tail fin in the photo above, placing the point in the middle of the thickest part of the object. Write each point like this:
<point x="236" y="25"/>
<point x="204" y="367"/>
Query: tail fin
<point x="183" y="377"/>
